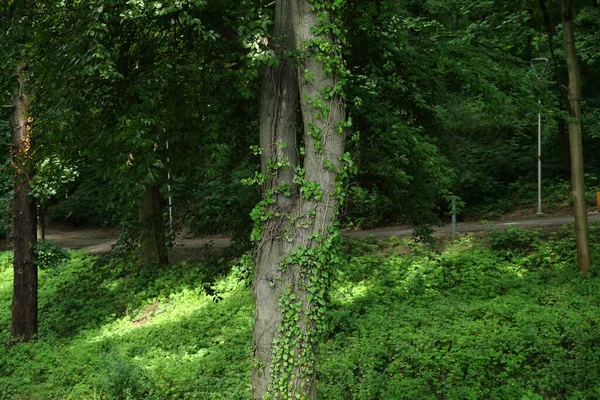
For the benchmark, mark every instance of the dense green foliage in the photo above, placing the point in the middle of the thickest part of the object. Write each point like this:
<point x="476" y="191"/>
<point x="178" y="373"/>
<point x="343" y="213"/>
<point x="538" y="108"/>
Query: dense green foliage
<point x="127" y="93"/>
<point x="49" y="256"/>
<point x="494" y="317"/>
<point x="447" y="101"/>
<point x="441" y="95"/>
<point x="509" y="321"/>
<point x="134" y="337"/>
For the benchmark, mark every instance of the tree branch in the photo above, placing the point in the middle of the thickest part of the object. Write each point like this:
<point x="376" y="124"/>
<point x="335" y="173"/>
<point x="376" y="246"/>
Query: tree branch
<point x="487" y="46"/>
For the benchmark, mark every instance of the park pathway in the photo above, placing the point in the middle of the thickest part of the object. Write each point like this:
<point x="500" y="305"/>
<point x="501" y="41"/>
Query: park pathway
<point x="101" y="240"/>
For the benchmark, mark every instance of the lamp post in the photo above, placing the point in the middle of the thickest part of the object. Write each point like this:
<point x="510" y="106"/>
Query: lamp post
<point x="543" y="61"/>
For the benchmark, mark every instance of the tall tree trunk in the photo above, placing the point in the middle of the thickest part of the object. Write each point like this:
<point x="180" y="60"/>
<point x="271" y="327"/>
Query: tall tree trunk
<point x="24" y="319"/>
<point x="153" y="244"/>
<point x="299" y="208"/>
<point x="278" y="132"/>
<point x="577" y="182"/>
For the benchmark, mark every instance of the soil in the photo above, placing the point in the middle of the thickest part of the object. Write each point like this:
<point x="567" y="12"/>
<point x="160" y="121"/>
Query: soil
<point x="101" y="240"/>
<point x="536" y="221"/>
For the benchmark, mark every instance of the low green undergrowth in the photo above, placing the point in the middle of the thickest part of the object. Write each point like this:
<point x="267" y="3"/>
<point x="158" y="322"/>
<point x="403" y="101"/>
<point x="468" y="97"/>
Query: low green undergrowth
<point x="505" y="316"/>
<point x="144" y="336"/>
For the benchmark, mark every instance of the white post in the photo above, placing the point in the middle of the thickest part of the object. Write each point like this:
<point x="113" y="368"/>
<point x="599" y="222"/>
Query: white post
<point x="539" y="208"/>
<point x="540" y="75"/>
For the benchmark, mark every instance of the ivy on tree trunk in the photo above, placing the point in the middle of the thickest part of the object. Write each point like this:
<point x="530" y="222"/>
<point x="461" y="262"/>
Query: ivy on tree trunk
<point x="302" y="148"/>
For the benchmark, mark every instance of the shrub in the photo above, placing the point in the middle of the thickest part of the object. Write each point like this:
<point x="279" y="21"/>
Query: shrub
<point x="124" y="380"/>
<point x="49" y="256"/>
<point x="6" y="260"/>
<point x="512" y="241"/>
<point x="465" y="324"/>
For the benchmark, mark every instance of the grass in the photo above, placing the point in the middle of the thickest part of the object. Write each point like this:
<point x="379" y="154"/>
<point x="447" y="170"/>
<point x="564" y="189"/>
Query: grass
<point x="502" y="316"/>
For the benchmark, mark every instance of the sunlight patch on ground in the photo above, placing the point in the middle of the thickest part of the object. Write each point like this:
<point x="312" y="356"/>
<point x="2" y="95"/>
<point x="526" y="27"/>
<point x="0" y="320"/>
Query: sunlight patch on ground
<point x="177" y="308"/>
<point x="6" y="278"/>
<point x="349" y="293"/>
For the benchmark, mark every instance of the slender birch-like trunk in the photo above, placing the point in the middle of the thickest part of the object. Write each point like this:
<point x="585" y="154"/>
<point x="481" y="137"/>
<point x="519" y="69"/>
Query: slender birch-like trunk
<point x="577" y="181"/>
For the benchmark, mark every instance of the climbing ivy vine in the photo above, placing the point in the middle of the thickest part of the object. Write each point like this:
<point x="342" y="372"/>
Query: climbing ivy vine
<point x="300" y="203"/>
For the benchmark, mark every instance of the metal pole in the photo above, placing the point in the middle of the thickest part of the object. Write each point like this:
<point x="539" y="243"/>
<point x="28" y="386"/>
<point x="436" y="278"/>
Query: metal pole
<point x="539" y="208"/>
<point x="453" y="217"/>
<point x="539" y="155"/>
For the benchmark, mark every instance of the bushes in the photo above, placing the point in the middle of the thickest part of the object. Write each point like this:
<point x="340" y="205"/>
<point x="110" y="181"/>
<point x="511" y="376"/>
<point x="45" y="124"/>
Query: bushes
<point x="49" y="256"/>
<point x="6" y="260"/>
<point x="506" y="317"/>
<point x="512" y="240"/>
<point x="125" y="380"/>
<point x="145" y="336"/>
<point x="88" y="203"/>
<point x="470" y="323"/>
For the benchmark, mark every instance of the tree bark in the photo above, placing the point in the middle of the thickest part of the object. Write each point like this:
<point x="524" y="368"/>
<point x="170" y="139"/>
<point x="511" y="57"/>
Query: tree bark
<point x="24" y="320"/>
<point x="278" y="132"/>
<point x="577" y="180"/>
<point x="153" y="243"/>
<point x="300" y="208"/>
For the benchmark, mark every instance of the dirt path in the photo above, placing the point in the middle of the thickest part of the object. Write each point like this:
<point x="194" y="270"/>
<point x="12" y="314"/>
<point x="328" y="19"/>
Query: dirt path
<point x="534" y="222"/>
<point x="101" y="240"/>
<point x="95" y="240"/>
<point x="98" y="241"/>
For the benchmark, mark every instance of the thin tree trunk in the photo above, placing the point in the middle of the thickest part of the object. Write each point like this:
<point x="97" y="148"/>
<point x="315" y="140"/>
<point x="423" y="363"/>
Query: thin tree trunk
<point x="565" y="150"/>
<point x="24" y="319"/>
<point x="153" y="244"/>
<point x="301" y="202"/>
<point x="41" y="225"/>
<point x="577" y="181"/>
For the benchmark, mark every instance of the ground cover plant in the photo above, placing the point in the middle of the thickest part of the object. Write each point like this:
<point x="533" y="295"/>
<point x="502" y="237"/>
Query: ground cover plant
<point x="113" y="334"/>
<point x="500" y="316"/>
<point x="504" y="318"/>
